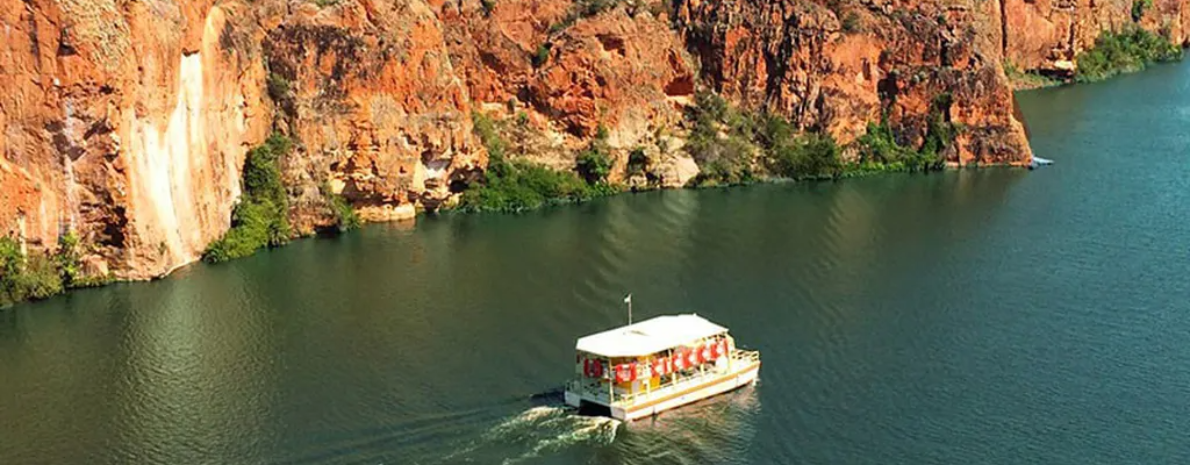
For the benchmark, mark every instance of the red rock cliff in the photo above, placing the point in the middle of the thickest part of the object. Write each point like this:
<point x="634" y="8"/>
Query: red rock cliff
<point x="127" y="122"/>
<point x="1047" y="35"/>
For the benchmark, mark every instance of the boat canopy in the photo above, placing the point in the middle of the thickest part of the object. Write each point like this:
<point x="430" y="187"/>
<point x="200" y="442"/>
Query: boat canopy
<point x="649" y="336"/>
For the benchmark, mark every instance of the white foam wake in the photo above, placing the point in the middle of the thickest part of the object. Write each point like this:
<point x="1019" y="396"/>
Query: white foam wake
<point x="538" y="431"/>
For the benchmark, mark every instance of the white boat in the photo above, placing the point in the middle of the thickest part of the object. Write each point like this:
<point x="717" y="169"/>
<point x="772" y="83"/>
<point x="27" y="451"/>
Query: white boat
<point x="655" y="365"/>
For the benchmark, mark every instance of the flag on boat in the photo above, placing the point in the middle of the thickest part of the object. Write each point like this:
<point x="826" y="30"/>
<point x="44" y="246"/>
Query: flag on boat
<point x="628" y="299"/>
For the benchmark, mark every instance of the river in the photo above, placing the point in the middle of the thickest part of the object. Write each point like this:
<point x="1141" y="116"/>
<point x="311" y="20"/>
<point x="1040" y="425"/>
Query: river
<point x="994" y="316"/>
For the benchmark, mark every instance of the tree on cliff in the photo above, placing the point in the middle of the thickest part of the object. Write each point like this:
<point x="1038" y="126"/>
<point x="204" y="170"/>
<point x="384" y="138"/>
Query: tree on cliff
<point x="261" y="217"/>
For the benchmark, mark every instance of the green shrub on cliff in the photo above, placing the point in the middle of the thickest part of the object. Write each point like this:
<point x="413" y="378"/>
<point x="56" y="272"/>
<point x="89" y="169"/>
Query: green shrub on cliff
<point x="594" y="163"/>
<point x="720" y="141"/>
<point x="725" y="141"/>
<point x="68" y="259"/>
<point x="12" y="265"/>
<point x="808" y="156"/>
<point x="278" y="87"/>
<point x="519" y="186"/>
<point x="514" y="186"/>
<point x="542" y="56"/>
<point x="1139" y="7"/>
<point x="1128" y="51"/>
<point x="260" y="219"/>
<point x="489" y="135"/>
<point x="793" y="155"/>
<point x="40" y="275"/>
<point x="879" y="149"/>
<point x="345" y="217"/>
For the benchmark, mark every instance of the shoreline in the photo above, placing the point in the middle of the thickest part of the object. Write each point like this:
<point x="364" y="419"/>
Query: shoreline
<point x="456" y="212"/>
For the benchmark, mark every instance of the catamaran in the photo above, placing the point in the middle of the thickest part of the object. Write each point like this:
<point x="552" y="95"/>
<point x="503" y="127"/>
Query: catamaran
<point x="655" y="365"/>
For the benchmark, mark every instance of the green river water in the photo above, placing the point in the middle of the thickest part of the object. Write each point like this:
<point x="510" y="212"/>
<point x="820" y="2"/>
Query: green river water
<point x="995" y="316"/>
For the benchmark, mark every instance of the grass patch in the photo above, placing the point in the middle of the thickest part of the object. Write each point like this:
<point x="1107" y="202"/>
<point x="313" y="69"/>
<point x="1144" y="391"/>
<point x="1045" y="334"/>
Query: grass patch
<point x="515" y="186"/>
<point x="1125" y="52"/>
<point x="260" y="219"/>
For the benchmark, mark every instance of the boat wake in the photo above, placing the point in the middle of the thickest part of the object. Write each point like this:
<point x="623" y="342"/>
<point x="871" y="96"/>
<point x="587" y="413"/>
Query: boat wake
<point x="535" y="432"/>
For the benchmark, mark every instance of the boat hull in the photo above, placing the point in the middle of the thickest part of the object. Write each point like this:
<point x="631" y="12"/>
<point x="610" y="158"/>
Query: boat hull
<point x="727" y="382"/>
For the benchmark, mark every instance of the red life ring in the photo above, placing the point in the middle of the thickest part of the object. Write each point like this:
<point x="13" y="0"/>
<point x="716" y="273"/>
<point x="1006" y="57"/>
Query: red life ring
<point x="704" y="354"/>
<point x="587" y="367"/>
<point x="690" y="358"/>
<point x="675" y="362"/>
<point x="596" y="369"/>
<point x="625" y="372"/>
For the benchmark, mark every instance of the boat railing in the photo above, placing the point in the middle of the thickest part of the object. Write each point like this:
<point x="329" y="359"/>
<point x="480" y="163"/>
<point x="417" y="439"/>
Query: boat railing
<point x="598" y="390"/>
<point x="747" y="356"/>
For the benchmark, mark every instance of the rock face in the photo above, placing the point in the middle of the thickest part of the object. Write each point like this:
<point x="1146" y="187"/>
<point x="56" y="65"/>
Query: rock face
<point x="127" y="123"/>
<point x="836" y="67"/>
<point x="370" y="91"/>
<point x="1047" y="35"/>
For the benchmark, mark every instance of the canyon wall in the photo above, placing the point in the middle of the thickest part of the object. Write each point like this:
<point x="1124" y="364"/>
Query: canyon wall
<point x="126" y="122"/>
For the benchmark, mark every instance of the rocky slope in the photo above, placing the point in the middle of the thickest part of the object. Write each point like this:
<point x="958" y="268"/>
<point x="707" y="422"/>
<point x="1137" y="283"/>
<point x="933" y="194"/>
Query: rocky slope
<point x="127" y="121"/>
